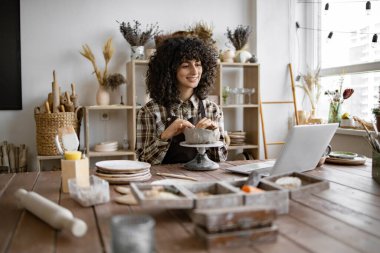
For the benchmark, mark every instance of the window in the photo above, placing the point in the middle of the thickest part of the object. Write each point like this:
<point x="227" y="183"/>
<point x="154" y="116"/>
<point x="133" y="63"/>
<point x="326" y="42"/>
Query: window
<point x="350" y="53"/>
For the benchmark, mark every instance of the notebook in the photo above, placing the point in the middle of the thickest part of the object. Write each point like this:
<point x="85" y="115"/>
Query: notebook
<point x="304" y="146"/>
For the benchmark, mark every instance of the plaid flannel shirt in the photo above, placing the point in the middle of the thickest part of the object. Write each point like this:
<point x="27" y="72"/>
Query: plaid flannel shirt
<point x="151" y="120"/>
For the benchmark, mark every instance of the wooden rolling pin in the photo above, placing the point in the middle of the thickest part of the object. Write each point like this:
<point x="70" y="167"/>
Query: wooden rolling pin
<point x="56" y="216"/>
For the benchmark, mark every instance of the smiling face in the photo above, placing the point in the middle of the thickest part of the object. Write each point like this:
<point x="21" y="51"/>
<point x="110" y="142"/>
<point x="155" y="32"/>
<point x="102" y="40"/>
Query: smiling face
<point x="188" y="76"/>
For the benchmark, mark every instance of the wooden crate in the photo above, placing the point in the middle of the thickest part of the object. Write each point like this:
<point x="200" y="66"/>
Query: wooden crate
<point x="185" y="200"/>
<point x="233" y="218"/>
<point x="310" y="184"/>
<point x="221" y="193"/>
<point x="237" y="238"/>
<point x="273" y="197"/>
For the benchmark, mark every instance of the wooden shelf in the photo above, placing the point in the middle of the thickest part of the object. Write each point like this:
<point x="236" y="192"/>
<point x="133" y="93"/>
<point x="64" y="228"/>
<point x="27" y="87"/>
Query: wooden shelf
<point x="248" y="74"/>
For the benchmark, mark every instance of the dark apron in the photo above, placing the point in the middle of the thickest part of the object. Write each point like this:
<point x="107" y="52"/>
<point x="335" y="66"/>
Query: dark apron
<point x="177" y="153"/>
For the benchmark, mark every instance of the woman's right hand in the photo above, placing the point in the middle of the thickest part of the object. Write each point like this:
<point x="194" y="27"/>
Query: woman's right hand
<point x="175" y="128"/>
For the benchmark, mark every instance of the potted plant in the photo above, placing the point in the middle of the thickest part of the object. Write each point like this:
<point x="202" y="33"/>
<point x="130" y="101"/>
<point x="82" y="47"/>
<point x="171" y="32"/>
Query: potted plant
<point x="136" y="37"/>
<point x="239" y="39"/>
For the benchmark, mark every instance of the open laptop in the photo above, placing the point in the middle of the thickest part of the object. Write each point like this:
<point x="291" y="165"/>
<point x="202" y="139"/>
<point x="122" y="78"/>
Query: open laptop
<point x="304" y="146"/>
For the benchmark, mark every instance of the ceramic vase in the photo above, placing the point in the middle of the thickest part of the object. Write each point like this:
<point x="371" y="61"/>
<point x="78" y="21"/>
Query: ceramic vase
<point x="228" y="56"/>
<point x="102" y="96"/>
<point x="137" y="52"/>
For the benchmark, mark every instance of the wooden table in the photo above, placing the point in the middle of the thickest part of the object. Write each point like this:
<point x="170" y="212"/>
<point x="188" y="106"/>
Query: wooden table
<point x="345" y="218"/>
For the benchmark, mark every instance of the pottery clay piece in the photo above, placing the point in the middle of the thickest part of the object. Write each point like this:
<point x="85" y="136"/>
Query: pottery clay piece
<point x="201" y="136"/>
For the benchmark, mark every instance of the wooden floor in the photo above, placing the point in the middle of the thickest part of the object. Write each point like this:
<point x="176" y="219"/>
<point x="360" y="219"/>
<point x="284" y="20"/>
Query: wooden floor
<point x="344" y="218"/>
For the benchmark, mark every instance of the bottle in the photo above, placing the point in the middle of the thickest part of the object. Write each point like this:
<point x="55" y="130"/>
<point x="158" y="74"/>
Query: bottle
<point x="55" y="215"/>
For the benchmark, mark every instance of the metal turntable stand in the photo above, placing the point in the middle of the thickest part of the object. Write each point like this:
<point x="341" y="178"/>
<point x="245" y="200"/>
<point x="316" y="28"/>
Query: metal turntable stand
<point x="201" y="162"/>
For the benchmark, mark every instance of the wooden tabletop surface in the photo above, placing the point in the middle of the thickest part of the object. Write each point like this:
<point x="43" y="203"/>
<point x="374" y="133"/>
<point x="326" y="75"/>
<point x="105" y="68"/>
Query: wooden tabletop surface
<point x="344" y="218"/>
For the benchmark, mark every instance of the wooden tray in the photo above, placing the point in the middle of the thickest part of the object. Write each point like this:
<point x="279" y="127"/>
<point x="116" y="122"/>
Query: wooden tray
<point x="273" y="197"/>
<point x="233" y="218"/>
<point x="184" y="201"/>
<point x="310" y="184"/>
<point x="237" y="238"/>
<point x="222" y="194"/>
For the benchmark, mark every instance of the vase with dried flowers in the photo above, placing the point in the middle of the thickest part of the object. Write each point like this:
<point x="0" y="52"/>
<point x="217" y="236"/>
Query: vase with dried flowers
<point x="136" y="37"/>
<point x="103" y="96"/>
<point x="336" y="100"/>
<point x="310" y="83"/>
<point x="239" y="39"/>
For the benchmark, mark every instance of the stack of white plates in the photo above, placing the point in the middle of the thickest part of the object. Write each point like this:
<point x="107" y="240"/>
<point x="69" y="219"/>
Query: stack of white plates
<point x="123" y="171"/>
<point x="106" y="146"/>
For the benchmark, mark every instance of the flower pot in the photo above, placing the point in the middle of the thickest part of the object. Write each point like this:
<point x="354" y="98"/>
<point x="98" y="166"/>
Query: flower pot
<point x="102" y="96"/>
<point x="137" y="52"/>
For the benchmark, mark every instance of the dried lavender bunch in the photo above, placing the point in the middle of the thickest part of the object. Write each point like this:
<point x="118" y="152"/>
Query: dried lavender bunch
<point x="114" y="81"/>
<point x="239" y="37"/>
<point x="135" y="36"/>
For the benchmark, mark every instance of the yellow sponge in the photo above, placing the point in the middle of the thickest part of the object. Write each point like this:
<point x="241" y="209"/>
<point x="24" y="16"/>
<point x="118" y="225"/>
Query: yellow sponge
<point x="73" y="155"/>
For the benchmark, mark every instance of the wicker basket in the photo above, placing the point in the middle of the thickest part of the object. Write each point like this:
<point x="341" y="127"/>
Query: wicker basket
<point x="47" y="125"/>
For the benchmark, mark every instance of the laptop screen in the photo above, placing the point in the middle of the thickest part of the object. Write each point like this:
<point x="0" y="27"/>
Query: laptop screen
<point x="304" y="146"/>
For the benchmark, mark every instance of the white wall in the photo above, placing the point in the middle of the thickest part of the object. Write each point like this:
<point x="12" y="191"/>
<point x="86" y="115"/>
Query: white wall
<point x="274" y="50"/>
<point x="53" y="31"/>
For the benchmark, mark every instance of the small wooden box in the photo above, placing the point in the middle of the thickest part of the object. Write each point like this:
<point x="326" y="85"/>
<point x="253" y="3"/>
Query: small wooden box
<point x="79" y="169"/>
<point x="214" y="195"/>
<point x="273" y="197"/>
<point x="184" y="201"/>
<point x="233" y="218"/>
<point x="237" y="238"/>
<point x="310" y="184"/>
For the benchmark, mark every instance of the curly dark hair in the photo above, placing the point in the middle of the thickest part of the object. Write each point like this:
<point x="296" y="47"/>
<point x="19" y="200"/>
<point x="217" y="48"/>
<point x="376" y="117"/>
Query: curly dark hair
<point x="161" y="78"/>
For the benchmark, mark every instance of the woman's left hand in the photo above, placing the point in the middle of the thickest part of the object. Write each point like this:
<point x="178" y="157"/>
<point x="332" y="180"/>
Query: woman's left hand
<point x="207" y="123"/>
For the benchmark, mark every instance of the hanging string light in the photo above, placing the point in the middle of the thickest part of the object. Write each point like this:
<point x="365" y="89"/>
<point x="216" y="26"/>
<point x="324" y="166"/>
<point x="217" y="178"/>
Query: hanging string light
<point x="327" y="7"/>
<point x="368" y="7"/>
<point x="331" y="33"/>
<point x="374" y="40"/>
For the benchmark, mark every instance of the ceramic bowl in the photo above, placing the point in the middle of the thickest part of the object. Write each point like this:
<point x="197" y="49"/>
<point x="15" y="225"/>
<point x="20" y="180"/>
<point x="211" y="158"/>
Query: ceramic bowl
<point x="201" y="135"/>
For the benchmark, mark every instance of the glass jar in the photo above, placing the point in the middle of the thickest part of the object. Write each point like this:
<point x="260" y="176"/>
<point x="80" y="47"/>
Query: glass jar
<point x="335" y="112"/>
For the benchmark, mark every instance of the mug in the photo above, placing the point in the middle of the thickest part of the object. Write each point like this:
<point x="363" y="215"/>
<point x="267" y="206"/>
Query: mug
<point x="324" y="156"/>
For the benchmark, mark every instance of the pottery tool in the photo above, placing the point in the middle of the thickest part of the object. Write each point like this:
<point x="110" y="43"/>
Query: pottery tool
<point x="69" y="138"/>
<point x="176" y="176"/>
<point x="55" y="92"/>
<point x="74" y="96"/>
<point x="69" y="105"/>
<point x="55" y="215"/>
<point x="47" y="107"/>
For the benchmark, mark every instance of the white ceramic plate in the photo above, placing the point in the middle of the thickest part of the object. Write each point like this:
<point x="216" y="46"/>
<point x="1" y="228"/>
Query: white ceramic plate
<point x="122" y="165"/>
<point x="359" y="160"/>
<point x="343" y="155"/>
<point x="122" y="175"/>
<point x="105" y="149"/>
<point x="126" y="180"/>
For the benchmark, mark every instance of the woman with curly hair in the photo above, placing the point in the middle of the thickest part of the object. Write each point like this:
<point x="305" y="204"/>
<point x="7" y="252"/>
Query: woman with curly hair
<point x="179" y="77"/>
